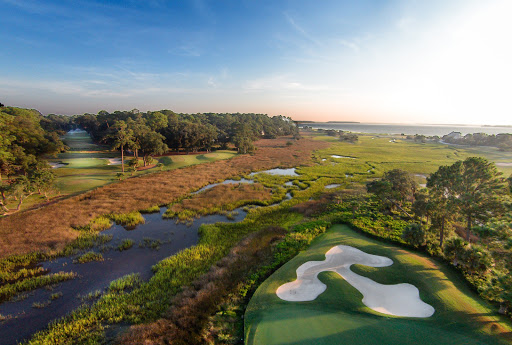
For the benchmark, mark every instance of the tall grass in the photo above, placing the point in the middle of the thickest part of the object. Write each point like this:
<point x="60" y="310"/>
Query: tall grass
<point x="9" y="290"/>
<point x="21" y="233"/>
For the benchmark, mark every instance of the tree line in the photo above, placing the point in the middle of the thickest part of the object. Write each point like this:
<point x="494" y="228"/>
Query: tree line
<point x="26" y="137"/>
<point x="502" y="141"/>
<point x="154" y="133"/>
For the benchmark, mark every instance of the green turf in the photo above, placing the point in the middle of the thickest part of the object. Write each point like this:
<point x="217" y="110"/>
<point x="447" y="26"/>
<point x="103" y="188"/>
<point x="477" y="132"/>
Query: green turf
<point x="87" y="164"/>
<point x="86" y="167"/>
<point x="338" y="316"/>
<point x="378" y="154"/>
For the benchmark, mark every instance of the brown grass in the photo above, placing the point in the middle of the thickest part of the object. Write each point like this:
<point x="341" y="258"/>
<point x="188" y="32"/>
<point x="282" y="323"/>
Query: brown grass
<point x="192" y="308"/>
<point x="50" y="227"/>
<point x="223" y="195"/>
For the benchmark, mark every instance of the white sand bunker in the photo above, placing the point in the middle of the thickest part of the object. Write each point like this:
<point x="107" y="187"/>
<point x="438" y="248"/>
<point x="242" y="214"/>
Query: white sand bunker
<point x="398" y="300"/>
<point x="339" y="157"/>
<point x="503" y="164"/>
<point x="55" y="165"/>
<point x="114" y="161"/>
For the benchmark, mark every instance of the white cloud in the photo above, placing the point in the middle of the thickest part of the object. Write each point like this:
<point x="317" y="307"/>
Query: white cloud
<point x="279" y="83"/>
<point x="300" y="30"/>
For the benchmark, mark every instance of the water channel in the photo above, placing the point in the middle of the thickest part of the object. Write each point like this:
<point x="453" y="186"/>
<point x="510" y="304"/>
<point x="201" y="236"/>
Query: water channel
<point x="169" y="237"/>
<point x="24" y="319"/>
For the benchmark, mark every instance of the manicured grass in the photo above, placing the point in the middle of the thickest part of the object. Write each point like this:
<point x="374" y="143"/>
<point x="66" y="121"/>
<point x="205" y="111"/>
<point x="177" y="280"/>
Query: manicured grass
<point x="338" y="316"/>
<point x="87" y="164"/>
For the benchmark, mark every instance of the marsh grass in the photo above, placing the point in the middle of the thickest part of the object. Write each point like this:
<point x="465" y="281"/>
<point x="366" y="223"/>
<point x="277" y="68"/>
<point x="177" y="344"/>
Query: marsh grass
<point x="125" y="283"/>
<point x="21" y="233"/>
<point x="126" y="244"/>
<point x="151" y="300"/>
<point x="130" y="219"/>
<point x="150" y="243"/>
<point x="152" y="209"/>
<point x="221" y="199"/>
<point x="40" y="305"/>
<point x="90" y="296"/>
<point x="9" y="290"/>
<point x="55" y="296"/>
<point x="88" y="257"/>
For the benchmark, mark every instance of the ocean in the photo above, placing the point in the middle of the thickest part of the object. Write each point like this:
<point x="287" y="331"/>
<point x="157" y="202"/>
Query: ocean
<point x="408" y="129"/>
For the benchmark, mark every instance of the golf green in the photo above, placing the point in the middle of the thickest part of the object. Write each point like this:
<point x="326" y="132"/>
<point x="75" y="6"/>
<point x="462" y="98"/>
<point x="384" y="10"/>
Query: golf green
<point x="338" y="315"/>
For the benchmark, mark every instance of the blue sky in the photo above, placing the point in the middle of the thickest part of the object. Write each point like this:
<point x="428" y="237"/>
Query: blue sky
<point x="370" y="61"/>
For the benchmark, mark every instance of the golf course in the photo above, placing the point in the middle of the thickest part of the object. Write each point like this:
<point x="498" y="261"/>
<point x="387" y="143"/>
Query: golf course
<point x="338" y="315"/>
<point x="87" y="165"/>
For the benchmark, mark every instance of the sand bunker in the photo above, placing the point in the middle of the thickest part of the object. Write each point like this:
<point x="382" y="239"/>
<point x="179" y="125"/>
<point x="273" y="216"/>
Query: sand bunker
<point x="503" y="164"/>
<point x="398" y="300"/>
<point x="114" y="161"/>
<point x="55" y="165"/>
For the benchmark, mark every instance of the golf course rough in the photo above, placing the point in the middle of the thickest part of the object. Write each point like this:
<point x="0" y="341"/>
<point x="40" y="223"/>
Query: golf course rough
<point x="338" y="315"/>
<point x="398" y="299"/>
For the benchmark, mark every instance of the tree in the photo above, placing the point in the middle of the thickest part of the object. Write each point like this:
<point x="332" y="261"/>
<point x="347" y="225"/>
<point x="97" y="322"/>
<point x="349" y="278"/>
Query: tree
<point x="396" y="187"/>
<point x="122" y="136"/>
<point x="42" y="179"/>
<point x="349" y="137"/>
<point x="21" y="189"/>
<point x="1" y="105"/>
<point x="472" y="187"/>
<point x="152" y="143"/>
<point x="414" y="235"/>
<point x="243" y="144"/>
<point x="156" y="121"/>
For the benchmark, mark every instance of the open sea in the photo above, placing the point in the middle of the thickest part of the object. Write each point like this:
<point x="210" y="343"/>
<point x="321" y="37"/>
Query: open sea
<point x="428" y="130"/>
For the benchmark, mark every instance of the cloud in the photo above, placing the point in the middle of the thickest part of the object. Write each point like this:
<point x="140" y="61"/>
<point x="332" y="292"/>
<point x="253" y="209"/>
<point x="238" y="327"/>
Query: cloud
<point x="186" y="50"/>
<point x="350" y="44"/>
<point x="300" y="30"/>
<point x="404" y="23"/>
<point x="279" y="83"/>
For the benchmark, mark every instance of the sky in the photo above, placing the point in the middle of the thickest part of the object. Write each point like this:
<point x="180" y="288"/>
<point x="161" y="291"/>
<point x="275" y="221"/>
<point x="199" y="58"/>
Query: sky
<point x="414" y="61"/>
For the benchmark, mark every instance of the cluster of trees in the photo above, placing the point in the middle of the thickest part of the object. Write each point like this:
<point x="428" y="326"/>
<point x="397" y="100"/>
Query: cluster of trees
<point x="153" y="133"/>
<point x="502" y="141"/>
<point x="343" y="136"/>
<point x="25" y="138"/>
<point x="470" y="196"/>
<point x="467" y="192"/>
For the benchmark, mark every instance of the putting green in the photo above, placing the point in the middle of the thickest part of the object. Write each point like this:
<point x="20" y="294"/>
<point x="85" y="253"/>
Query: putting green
<point x="338" y="316"/>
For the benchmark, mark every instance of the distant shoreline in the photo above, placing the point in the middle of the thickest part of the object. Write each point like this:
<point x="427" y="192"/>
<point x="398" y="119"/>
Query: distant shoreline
<point x="406" y="129"/>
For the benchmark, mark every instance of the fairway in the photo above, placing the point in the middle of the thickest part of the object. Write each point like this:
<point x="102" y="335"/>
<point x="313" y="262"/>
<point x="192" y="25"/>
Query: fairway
<point x="338" y="315"/>
<point x="86" y="165"/>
